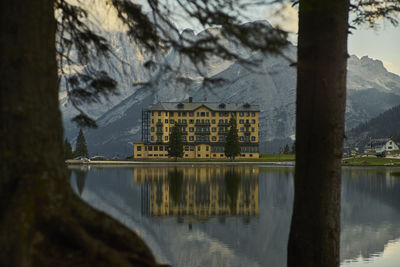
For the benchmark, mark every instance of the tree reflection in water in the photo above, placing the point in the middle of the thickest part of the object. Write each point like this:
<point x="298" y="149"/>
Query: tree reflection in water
<point x="175" y="179"/>
<point x="232" y="183"/>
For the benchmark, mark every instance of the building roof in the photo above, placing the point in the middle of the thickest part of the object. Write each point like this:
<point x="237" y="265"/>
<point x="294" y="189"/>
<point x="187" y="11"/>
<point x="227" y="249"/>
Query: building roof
<point x="186" y="106"/>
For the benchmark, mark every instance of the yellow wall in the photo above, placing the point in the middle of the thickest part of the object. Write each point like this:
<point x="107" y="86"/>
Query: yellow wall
<point x="168" y="120"/>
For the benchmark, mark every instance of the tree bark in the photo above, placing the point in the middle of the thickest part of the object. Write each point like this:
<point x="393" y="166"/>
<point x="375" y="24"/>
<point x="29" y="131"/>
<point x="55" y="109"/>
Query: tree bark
<point x="42" y="222"/>
<point x="321" y="96"/>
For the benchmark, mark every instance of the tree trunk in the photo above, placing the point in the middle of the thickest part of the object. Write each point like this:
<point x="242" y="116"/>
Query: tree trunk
<point x="42" y="222"/>
<point x="321" y="97"/>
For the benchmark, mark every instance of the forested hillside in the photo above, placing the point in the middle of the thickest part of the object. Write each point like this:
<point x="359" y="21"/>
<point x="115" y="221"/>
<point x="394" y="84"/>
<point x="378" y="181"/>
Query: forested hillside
<point x="385" y="125"/>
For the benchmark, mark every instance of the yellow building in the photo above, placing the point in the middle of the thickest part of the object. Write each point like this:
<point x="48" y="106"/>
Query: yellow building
<point x="198" y="192"/>
<point x="203" y="127"/>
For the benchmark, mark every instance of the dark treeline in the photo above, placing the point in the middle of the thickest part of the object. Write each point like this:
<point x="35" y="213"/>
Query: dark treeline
<point x="385" y="125"/>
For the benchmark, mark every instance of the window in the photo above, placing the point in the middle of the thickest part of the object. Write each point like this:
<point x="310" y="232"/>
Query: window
<point x="150" y="148"/>
<point x="139" y="148"/>
<point x="214" y="138"/>
<point x="161" y="148"/>
<point x="252" y="129"/>
<point x="152" y="138"/>
<point x="166" y="138"/>
<point x="213" y="114"/>
<point x="191" y="129"/>
<point x="191" y="121"/>
<point x="191" y="114"/>
<point x="184" y="138"/>
<point x="186" y="155"/>
<point x="198" y="155"/>
<point x="253" y="114"/>
<point x="241" y="114"/>
<point x="186" y="148"/>
<point x="139" y="155"/>
<point x="166" y="120"/>
<point x="159" y="113"/>
<point x="241" y="138"/>
<point x="171" y="113"/>
<point x="198" y="148"/>
<point x="212" y="121"/>
<point x="191" y="138"/>
<point x="179" y="114"/>
<point x="215" y="155"/>
<point x="183" y="114"/>
<point x="198" y="138"/>
<point x="207" y="114"/>
<point x="207" y="148"/>
<point x="248" y="114"/>
<point x="221" y="155"/>
<point x="253" y="121"/>
<point x="206" y="155"/>
<point x="192" y="148"/>
<point x="152" y="120"/>
<point x="203" y="114"/>
<point x="152" y="113"/>
<point x="171" y="121"/>
<point x="145" y="148"/>
<point x="241" y="121"/>
<point x="155" y="148"/>
<point x="251" y="155"/>
<point x="241" y="129"/>
<point x="253" y="138"/>
<point x="214" y="129"/>
<point x="198" y="114"/>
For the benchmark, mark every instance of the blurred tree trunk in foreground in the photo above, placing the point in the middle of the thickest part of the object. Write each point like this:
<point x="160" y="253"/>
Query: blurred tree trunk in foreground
<point x="321" y="96"/>
<point x="43" y="223"/>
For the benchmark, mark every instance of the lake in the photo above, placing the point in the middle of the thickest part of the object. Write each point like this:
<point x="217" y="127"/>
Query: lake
<point x="240" y="215"/>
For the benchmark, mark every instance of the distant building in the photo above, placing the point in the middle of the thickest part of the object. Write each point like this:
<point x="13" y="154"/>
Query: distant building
<point x="381" y="145"/>
<point x="203" y="126"/>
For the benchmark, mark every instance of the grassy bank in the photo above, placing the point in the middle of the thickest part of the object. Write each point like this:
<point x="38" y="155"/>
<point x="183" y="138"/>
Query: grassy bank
<point x="370" y="161"/>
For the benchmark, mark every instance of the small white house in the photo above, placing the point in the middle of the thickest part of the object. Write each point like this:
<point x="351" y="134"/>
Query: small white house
<point x="383" y="145"/>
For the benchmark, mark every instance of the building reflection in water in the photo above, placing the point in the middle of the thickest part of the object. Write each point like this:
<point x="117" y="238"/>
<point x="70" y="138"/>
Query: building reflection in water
<point x="199" y="192"/>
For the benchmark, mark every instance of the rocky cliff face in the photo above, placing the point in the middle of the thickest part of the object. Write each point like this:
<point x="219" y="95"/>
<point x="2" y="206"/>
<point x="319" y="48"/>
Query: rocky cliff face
<point x="371" y="90"/>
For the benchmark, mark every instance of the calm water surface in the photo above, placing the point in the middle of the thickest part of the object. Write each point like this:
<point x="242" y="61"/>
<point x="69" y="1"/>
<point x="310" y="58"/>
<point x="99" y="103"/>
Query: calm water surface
<point x="240" y="216"/>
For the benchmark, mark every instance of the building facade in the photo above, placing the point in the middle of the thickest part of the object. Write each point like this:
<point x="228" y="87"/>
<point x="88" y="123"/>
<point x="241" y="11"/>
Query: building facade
<point x="203" y="126"/>
<point x="381" y="145"/>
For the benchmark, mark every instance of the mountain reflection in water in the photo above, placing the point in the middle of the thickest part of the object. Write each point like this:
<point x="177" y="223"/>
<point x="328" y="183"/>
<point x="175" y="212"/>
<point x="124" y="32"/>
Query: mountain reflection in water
<point x="239" y="215"/>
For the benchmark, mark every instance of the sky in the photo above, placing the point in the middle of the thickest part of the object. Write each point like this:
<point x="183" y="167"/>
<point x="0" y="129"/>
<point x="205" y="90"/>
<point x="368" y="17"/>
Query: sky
<point x="382" y="42"/>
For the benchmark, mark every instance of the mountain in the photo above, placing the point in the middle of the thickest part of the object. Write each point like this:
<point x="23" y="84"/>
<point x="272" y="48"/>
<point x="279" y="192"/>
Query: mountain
<point x="271" y="84"/>
<point x="385" y="125"/>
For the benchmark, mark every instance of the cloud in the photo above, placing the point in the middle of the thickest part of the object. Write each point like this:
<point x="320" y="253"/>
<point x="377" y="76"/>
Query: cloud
<point x="392" y="67"/>
<point x="283" y="16"/>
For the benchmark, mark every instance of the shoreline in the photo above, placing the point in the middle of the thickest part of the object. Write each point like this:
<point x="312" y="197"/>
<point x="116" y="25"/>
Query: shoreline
<point x="130" y="163"/>
<point x="160" y="163"/>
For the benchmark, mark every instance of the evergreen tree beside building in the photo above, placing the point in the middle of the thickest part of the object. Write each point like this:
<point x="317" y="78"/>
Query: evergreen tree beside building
<point x="232" y="145"/>
<point x="67" y="150"/>
<point x="175" y="148"/>
<point x="286" y="149"/>
<point x="81" y="148"/>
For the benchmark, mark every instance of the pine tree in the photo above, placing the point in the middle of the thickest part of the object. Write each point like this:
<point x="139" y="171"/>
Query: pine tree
<point x="81" y="148"/>
<point x="175" y="148"/>
<point x="286" y="150"/>
<point x="67" y="149"/>
<point x="232" y="145"/>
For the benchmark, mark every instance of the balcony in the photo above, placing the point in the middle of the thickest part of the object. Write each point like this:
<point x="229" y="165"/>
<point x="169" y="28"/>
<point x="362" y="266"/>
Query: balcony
<point x="202" y="132"/>
<point x="181" y="123"/>
<point x="222" y="123"/>
<point x="247" y="133"/>
<point x="202" y="123"/>
<point x="247" y="124"/>
<point x="159" y="124"/>
<point x="222" y="132"/>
